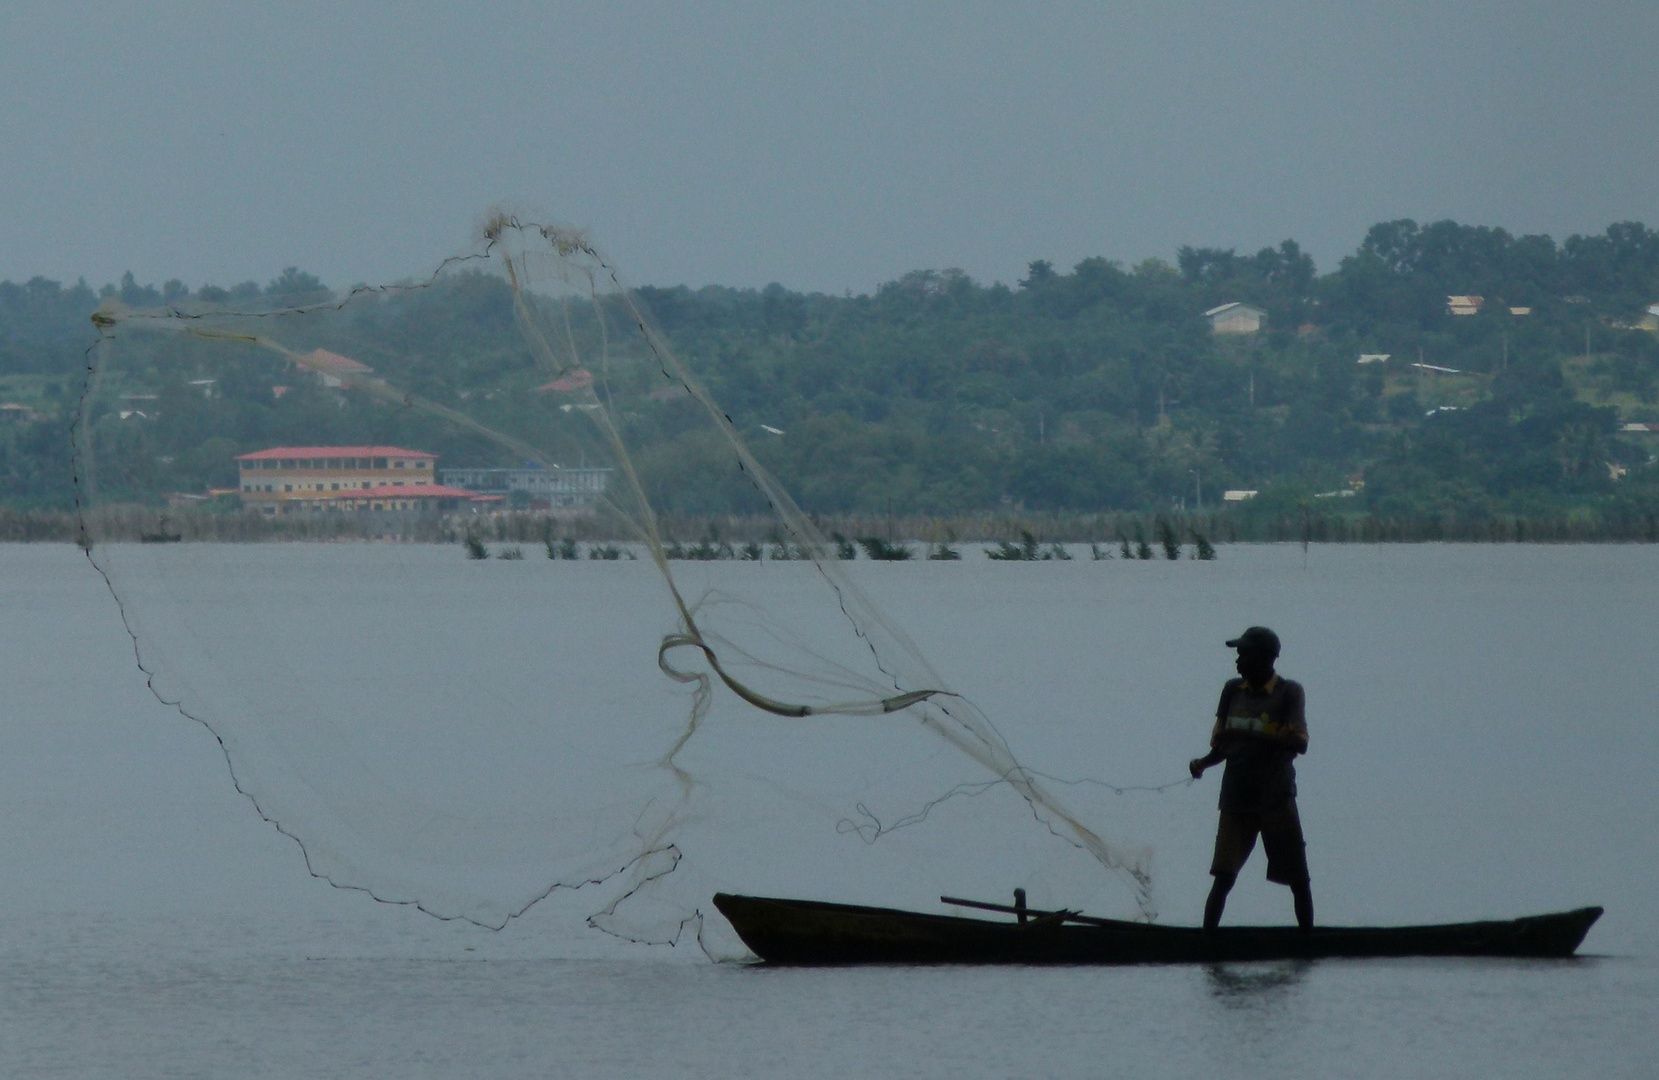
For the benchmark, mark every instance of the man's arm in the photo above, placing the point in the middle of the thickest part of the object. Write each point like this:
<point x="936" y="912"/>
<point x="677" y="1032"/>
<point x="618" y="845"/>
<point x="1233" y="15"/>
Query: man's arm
<point x="1216" y="755"/>
<point x="1293" y="734"/>
<point x="1291" y="731"/>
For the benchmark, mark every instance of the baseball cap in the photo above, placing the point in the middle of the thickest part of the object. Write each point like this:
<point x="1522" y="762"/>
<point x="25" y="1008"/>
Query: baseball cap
<point x="1257" y="639"/>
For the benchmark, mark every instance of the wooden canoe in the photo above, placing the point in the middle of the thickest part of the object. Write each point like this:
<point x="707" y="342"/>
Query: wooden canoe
<point x="811" y="932"/>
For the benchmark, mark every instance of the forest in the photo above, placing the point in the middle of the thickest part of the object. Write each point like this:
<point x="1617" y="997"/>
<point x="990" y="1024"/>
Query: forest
<point x="1095" y="389"/>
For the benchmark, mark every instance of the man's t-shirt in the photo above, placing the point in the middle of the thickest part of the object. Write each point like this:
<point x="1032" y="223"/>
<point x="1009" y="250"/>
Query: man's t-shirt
<point x="1260" y="776"/>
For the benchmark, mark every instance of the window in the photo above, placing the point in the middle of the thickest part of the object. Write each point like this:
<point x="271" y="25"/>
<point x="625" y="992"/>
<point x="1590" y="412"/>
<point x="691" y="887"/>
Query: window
<point x="268" y="463"/>
<point x="379" y="463"/>
<point x="336" y="487"/>
<point x="287" y="487"/>
<point x="289" y="463"/>
<point x="423" y="464"/>
<point x="399" y="464"/>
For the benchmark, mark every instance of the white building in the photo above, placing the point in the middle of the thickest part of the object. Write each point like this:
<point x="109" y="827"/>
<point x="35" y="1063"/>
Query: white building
<point x="553" y="488"/>
<point x="1235" y="318"/>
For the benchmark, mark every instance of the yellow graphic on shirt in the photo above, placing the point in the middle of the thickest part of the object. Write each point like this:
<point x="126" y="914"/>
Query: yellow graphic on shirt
<point x="1255" y="725"/>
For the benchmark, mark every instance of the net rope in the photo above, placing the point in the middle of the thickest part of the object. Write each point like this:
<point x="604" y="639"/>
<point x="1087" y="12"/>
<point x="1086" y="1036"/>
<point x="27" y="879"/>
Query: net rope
<point x="573" y="309"/>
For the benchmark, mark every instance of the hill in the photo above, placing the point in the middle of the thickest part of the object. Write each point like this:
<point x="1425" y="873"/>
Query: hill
<point x="1099" y="388"/>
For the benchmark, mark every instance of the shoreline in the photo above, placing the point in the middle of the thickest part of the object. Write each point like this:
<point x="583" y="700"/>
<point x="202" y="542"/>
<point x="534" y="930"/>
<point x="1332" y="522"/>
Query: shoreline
<point x="1109" y="530"/>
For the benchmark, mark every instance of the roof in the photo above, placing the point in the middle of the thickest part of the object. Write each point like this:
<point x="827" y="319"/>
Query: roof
<point x="1224" y="308"/>
<point x="407" y="491"/>
<point x="334" y="451"/>
<point x="323" y="360"/>
<point x="570" y="382"/>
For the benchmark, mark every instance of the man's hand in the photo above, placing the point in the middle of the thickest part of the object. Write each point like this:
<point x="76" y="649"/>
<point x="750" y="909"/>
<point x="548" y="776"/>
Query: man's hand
<point x="1198" y="764"/>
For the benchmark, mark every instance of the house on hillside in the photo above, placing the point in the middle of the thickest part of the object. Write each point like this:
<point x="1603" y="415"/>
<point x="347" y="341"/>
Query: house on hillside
<point x="571" y="382"/>
<point x="1235" y="318"/>
<point x="332" y="369"/>
<point x="1650" y="318"/>
<point x="1464" y="305"/>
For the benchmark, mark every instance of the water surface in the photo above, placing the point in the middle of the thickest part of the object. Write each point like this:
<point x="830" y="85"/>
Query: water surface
<point x="1484" y="734"/>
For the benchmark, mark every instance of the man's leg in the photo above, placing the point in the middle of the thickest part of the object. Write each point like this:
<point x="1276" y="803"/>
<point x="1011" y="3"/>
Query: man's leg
<point x="1287" y="860"/>
<point x="1218" y="900"/>
<point x="1302" y="893"/>
<point x="1235" y="837"/>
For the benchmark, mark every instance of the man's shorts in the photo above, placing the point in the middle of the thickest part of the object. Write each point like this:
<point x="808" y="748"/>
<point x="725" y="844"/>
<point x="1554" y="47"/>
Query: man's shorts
<point x="1281" y="833"/>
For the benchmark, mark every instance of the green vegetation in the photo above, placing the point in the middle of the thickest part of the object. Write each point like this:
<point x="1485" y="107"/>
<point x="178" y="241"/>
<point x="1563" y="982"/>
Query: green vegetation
<point x="1072" y="393"/>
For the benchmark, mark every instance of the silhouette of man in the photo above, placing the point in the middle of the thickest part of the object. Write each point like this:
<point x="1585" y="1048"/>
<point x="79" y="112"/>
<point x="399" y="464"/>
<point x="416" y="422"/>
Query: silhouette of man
<point x="1260" y="727"/>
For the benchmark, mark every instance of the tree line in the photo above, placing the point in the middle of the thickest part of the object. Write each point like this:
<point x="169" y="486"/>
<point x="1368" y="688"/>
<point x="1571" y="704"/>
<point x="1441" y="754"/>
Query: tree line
<point x="1099" y="388"/>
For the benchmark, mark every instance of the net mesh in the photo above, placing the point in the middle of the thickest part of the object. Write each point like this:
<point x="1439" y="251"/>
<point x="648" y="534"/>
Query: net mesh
<point x="469" y="737"/>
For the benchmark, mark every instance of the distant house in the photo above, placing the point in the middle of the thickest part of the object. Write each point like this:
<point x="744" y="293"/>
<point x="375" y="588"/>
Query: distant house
<point x="1436" y="369"/>
<point x="572" y="382"/>
<point x="1238" y="494"/>
<point x="11" y="410"/>
<point x="1641" y="429"/>
<point x="1235" y="318"/>
<point x="1464" y="305"/>
<point x="335" y="479"/>
<point x="548" y="489"/>
<point x="333" y="369"/>
<point x="1374" y="357"/>
<point x="1520" y="311"/>
<point x="1650" y="318"/>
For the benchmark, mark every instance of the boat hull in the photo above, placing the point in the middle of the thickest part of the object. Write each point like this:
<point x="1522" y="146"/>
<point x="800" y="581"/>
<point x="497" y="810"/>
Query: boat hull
<point x="783" y="931"/>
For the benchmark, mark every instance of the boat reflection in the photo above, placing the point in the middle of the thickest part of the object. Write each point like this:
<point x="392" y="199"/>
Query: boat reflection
<point x="1249" y="985"/>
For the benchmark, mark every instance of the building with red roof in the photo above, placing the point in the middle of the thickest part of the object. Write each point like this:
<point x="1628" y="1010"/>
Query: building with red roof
<point x="323" y="479"/>
<point x="571" y="382"/>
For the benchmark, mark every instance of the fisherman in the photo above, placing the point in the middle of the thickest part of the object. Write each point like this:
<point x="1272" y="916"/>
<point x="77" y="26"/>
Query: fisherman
<point x="1260" y="727"/>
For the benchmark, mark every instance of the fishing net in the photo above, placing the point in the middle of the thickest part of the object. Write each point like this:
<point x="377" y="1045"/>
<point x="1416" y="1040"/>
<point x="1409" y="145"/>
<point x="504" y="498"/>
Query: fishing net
<point x="473" y="735"/>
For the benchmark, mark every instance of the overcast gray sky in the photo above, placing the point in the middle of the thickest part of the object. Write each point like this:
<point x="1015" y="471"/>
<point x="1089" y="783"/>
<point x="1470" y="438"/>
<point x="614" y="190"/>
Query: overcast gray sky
<point x="825" y="146"/>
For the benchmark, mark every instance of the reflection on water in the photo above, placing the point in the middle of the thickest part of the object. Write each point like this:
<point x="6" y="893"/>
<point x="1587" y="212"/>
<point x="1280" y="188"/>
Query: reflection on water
<point x="1255" y="986"/>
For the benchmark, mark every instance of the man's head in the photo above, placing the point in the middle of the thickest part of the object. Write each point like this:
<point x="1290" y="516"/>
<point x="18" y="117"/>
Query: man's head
<point x="1258" y="648"/>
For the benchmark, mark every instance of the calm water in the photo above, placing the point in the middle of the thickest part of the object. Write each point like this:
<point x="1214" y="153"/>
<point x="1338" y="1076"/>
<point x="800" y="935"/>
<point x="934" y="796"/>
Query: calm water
<point x="1484" y="739"/>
